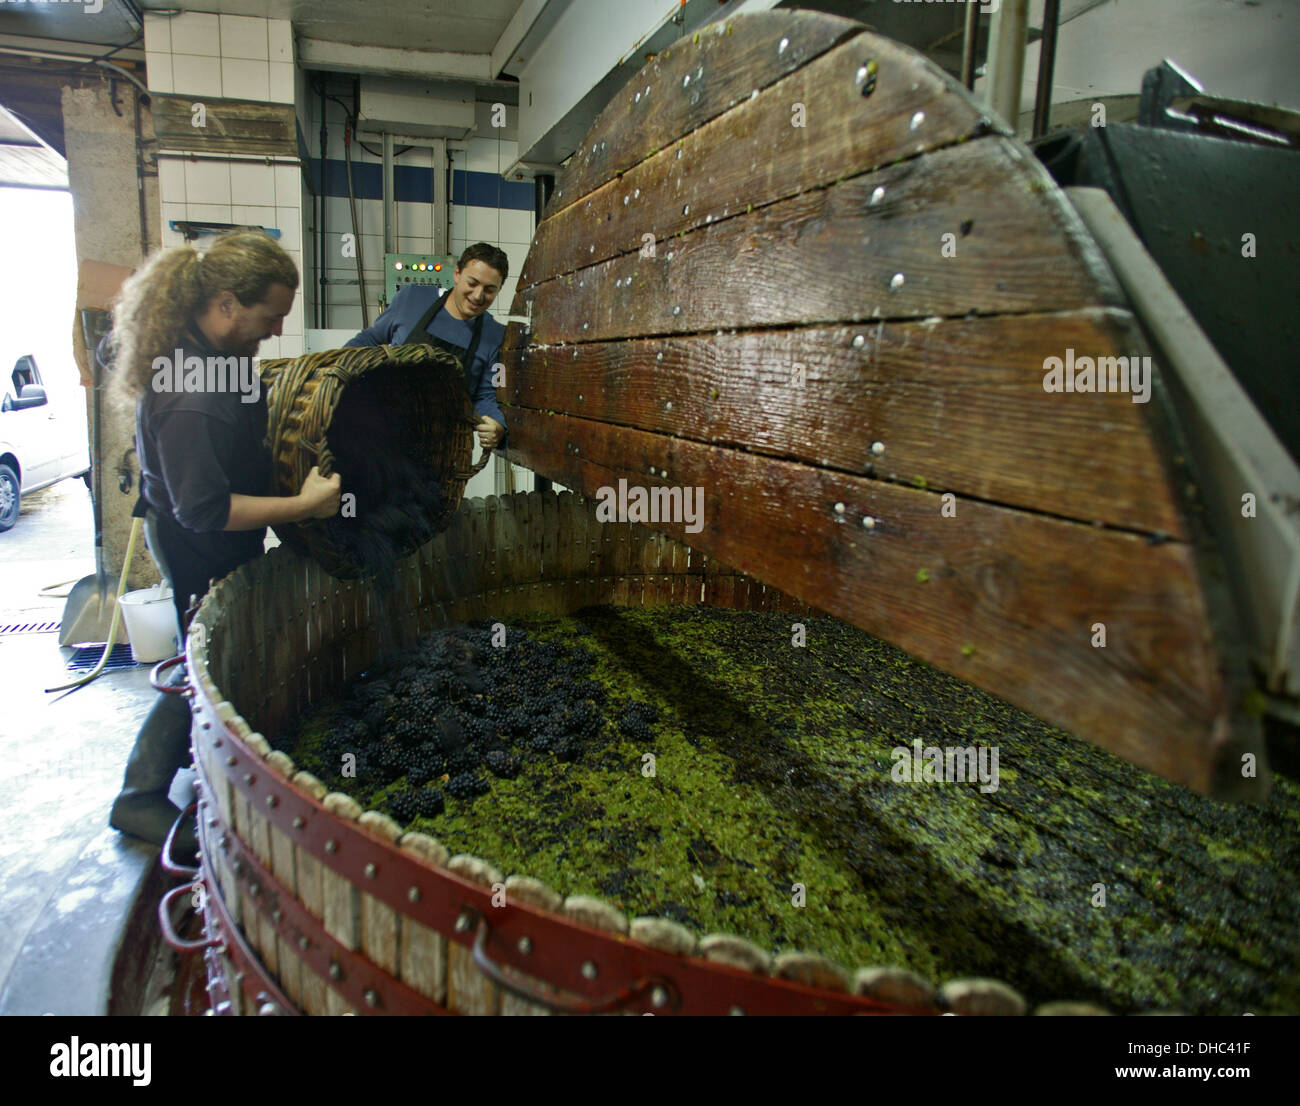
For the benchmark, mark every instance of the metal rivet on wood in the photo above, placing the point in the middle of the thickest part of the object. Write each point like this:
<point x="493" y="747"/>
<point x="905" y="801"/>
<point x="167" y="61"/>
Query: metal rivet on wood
<point x="866" y="76"/>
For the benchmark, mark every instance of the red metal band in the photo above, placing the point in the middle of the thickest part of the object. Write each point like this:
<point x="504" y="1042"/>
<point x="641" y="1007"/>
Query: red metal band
<point x="364" y="984"/>
<point x="251" y="976"/>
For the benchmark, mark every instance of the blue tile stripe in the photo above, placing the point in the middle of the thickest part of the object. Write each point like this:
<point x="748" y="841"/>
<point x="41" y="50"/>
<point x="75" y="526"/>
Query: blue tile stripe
<point x="415" y="185"/>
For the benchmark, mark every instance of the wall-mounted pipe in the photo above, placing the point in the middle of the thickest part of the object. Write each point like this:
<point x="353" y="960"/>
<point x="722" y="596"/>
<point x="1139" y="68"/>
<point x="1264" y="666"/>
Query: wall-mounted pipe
<point x="970" y="36"/>
<point x="1046" y="67"/>
<point x="356" y="230"/>
<point x="441" y="197"/>
<point x="390" y="197"/>
<point x="1006" y="66"/>
<point x="322" y="273"/>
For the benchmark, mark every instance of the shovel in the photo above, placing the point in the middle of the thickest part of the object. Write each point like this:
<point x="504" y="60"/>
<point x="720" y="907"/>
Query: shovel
<point x="88" y="613"/>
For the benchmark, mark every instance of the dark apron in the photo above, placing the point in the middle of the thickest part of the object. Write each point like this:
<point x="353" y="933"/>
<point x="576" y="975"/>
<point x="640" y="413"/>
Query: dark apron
<point x="420" y="336"/>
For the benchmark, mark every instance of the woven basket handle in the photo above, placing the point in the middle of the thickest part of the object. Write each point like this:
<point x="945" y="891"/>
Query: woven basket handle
<point x="476" y="467"/>
<point x="321" y="457"/>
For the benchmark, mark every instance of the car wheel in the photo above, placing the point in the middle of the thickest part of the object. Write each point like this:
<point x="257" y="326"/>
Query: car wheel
<point x="85" y="479"/>
<point x="10" y="496"/>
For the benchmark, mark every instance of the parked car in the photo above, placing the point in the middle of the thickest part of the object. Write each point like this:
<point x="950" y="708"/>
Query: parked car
<point x="41" y="441"/>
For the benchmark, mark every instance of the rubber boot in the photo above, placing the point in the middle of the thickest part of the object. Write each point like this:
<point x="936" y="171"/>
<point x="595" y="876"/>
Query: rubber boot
<point x="161" y="749"/>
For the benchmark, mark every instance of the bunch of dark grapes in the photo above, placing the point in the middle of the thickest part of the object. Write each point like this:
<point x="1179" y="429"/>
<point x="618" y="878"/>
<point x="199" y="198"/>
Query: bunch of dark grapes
<point x="635" y="718"/>
<point x="480" y="730"/>
<point x="502" y="764"/>
<point x="584" y="720"/>
<point x="424" y="764"/>
<point x="415" y="802"/>
<point x="453" y="731"/>
<point x="389" y="762"/>
<point x="589" y="689"/>
<point x="466" y="785"/>
<point x="408" y="731"/>
<point x="348" y="736"/>
<point x="465" y="759"/>
<point x="580" y="662"/>
<point x="376" y="713"/>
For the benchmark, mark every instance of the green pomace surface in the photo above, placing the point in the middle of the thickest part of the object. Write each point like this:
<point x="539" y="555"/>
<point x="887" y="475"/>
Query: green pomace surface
<point x="771" y="777"/>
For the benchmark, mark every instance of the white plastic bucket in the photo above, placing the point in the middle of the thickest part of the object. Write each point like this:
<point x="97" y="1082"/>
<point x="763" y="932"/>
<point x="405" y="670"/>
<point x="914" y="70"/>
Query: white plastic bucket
<point x="151" y="623"/>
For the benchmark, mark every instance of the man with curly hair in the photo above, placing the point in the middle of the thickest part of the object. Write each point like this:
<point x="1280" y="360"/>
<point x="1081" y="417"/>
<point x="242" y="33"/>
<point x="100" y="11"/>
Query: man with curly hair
<point x="186" y="328"/>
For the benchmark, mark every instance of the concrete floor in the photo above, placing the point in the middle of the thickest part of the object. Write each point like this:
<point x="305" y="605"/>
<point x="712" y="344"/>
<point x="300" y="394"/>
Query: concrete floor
<point x="67" y="882"/>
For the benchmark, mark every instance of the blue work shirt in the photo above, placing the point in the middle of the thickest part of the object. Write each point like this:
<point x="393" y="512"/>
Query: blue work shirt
<point x="408" y="308"/>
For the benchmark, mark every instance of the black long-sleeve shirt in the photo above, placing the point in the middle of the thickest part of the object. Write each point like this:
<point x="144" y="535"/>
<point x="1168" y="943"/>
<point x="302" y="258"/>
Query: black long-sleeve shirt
<point x="196" y="449"/>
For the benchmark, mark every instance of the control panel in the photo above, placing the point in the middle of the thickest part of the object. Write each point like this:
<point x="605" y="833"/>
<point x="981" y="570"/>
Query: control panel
<point x="401" y="269"/>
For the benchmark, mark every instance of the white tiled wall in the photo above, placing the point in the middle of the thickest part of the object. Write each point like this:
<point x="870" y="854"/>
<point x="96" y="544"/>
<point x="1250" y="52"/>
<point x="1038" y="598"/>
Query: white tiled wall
<point x="239" y="58"/>
<point x="231" y="56"/>
<point x="511" y="230"/>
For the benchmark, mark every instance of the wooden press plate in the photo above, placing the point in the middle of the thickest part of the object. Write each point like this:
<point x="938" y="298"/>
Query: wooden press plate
<point x="795" y="265"/>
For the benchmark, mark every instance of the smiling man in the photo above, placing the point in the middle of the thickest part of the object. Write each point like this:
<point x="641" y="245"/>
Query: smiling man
<point x="458" y="322"/>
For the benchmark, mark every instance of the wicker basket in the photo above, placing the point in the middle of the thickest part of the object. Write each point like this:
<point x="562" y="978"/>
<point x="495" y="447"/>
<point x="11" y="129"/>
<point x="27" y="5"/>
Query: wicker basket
<point x="419" y="411"/>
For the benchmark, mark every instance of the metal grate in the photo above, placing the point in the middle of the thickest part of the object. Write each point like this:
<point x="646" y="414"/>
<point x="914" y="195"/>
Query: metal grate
<point x="85" y="658"/>
<point x="29" y="628"/>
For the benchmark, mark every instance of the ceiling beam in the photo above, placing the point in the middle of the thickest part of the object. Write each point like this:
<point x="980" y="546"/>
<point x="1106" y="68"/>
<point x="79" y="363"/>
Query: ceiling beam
<point x="386" y="61"/>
